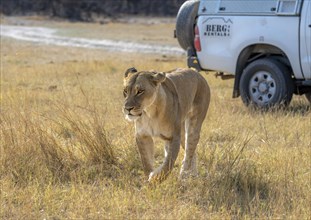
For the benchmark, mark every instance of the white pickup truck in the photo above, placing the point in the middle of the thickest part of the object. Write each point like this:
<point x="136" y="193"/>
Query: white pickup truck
<point x="265" y="45"/>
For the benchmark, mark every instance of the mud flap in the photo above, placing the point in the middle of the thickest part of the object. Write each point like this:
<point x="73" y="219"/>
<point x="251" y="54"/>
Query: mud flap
<point x="192" y="60"/>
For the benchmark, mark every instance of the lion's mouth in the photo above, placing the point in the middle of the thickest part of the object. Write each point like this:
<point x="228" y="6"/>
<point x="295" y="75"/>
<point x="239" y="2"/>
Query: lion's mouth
<point x="131" y="117"/>
<point x="138" y="115"/>
<point x="132" y="114"/>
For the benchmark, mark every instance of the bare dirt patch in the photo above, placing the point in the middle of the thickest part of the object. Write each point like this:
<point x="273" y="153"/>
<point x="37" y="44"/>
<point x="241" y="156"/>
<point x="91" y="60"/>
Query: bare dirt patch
<point x="142" y="37"/>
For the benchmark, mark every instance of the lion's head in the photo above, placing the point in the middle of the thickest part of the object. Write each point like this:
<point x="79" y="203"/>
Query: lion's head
<point x="140" y="91"/>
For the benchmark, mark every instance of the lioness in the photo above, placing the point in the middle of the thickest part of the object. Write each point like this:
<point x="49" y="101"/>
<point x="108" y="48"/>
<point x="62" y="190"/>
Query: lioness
<point x="171" y="106"/>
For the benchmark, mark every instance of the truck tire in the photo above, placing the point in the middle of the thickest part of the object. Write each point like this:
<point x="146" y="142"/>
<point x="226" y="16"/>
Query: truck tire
<point x="185" y="22"/>
<point x="308" y="96"/>
<point x="266" y="83"/>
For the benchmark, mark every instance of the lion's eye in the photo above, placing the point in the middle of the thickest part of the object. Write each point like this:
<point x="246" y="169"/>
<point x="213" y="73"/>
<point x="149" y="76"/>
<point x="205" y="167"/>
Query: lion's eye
<point x="140" y="91"/>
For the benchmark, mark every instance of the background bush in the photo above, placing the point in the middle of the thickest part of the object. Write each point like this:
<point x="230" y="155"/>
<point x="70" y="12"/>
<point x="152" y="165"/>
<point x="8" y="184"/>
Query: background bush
<point x="86" y="10"/>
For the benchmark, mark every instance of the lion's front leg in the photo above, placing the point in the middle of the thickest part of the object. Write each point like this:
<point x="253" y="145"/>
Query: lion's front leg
<point x="146" y="150"/>
<point x="171" y="153"/>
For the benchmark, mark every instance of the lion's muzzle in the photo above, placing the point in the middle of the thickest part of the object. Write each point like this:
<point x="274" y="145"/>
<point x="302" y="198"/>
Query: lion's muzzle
<point x="131" y="113"/>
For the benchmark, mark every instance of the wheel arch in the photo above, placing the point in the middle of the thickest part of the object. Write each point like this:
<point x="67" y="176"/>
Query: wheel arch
<point x="252" y="53"/>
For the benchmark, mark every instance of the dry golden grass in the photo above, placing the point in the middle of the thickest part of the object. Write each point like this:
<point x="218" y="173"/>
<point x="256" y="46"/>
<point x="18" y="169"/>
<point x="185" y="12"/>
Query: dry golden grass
<point x="67" y="152"/>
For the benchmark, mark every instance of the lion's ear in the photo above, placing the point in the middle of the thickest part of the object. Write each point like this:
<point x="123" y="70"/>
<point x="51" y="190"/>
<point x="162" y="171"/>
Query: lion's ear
<point x="129" y="70"/>
<point x="159" y="77"/>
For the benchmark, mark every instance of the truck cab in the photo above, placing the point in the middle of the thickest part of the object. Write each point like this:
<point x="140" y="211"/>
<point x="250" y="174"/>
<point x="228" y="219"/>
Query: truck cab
<point x="264" y="45"/>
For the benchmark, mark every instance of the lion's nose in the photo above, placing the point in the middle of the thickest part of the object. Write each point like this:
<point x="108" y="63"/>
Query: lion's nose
<point x="128" y="109"/>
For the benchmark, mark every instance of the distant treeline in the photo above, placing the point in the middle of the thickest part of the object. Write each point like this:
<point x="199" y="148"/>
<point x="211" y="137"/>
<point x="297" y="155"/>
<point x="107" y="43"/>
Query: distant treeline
<point x="86" y="10"/>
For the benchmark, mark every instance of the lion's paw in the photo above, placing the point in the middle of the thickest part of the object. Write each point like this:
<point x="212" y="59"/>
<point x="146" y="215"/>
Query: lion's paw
<point x="157" y="175"/>
<point x="188" y="175"/>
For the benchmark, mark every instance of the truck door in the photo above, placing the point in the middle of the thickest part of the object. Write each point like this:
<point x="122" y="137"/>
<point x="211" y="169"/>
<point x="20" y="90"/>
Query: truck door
<point x="305" y="39"/>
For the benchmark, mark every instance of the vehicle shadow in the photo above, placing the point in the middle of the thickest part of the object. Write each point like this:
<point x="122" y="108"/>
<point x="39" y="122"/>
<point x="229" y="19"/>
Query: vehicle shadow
<point x="294" y="109"/>
<point x="301" y="109"/>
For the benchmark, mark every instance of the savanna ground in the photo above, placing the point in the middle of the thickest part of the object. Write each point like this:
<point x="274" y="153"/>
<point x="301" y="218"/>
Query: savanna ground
<point x="67" y="151"/>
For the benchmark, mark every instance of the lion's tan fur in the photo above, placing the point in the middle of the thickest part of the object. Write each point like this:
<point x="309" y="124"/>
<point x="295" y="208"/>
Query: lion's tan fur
<point x="171" y="106"/>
